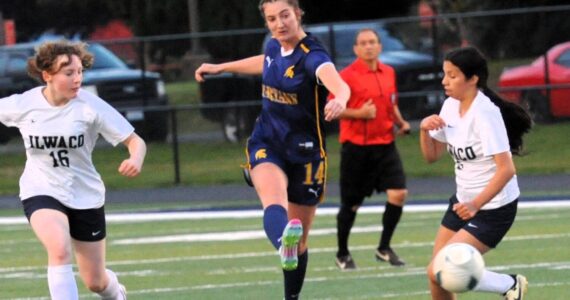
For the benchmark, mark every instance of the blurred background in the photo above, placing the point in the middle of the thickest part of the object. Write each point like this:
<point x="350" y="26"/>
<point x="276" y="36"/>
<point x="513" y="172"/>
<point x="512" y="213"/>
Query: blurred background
<point x="157" y="45"/>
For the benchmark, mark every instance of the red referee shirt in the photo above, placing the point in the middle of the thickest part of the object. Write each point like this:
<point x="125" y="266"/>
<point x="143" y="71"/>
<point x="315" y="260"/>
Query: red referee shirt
<point x="380" y="86"/>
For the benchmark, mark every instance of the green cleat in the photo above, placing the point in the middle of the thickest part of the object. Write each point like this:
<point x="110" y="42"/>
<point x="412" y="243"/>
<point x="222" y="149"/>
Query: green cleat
<point x="289" y="242"/>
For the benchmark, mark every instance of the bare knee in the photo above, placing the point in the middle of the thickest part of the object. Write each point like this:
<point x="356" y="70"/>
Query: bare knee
<point x="397" y="197"/>
<point x="95" y="283"/>
<point x="431" y="276"/>
<point x="59" y="255"/>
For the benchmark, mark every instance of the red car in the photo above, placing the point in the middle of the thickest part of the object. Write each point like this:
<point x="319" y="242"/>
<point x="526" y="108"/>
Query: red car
<point x="526" y="84"/>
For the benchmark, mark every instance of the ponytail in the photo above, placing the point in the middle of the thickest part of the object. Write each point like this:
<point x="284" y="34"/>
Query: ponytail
<point x="517" y="120"/>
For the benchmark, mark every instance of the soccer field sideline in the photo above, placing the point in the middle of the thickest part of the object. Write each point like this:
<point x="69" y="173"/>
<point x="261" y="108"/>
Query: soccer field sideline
<point x="119" y="218"/>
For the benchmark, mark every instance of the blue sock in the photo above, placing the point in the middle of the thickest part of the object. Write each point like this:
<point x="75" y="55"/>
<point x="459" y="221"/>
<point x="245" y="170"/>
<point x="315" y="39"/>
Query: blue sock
<point x="294" y="279"/>
<point x="274" y="222"/>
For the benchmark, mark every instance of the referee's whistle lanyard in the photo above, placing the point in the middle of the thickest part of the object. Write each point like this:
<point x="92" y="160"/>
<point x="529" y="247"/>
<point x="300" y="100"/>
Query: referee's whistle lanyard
<point x="375" y="74"/>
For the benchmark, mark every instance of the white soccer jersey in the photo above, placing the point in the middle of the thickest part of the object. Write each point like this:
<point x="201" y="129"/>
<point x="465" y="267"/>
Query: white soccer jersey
<point x="472" y="140"/>
<point x="59" y="142"/>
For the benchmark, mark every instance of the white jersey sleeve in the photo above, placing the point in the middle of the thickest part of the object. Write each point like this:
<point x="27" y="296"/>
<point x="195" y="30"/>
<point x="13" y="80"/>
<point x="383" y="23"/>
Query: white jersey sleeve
<point x="445" y="112"/>
<point x="108" y="121"/>
<point x="490" y="127"/>
<point x="9" y="111"/>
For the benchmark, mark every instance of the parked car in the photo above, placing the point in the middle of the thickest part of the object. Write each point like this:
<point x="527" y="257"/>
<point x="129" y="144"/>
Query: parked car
<point x="418" y="78"/>
<point x="525" y="84"/>
<point x="125" y="89"/>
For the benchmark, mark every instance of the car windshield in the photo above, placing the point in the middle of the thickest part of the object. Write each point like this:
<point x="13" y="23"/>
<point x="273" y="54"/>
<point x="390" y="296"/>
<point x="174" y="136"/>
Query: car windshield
<point x="105" y="59"/>
<point x="344" y="35"/>
<point x="344" y="41"/>
<point x="564" y="59"/>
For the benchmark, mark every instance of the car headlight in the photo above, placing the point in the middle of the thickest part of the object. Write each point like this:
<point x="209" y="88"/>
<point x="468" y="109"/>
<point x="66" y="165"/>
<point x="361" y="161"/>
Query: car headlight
<point x="91" y="88"/>
<point x="160" y="89"/>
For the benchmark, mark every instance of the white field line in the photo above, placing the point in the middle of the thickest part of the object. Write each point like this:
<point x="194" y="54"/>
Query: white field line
<point x="344" y="277"/>
<point x="244" y="214"/>
<point x="247" y="255"/>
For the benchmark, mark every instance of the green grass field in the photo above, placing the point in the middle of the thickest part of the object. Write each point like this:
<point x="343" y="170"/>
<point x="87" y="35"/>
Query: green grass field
<point x="207" y="163"/>
<point x="248" y="268"/>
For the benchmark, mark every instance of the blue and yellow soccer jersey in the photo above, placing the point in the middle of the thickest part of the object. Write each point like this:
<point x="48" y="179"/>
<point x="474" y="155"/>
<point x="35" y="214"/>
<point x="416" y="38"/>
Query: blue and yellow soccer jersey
<point x="291" y="120"/>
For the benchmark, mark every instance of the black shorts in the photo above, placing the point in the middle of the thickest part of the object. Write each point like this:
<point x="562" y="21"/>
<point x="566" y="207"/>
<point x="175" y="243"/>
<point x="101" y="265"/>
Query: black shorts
<point x="488" y="226"/>
<point x="364" y="169"/>
<point x="87" y="225"/>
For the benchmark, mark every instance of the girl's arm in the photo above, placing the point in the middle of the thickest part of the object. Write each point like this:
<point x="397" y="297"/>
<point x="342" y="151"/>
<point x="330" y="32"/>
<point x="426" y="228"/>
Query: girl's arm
<point x="333" y="82"/>
<point x="432" y="149"/>
<point x="505" y="171"/>
<point x="132" y="166"/>
<point x="252" y="66"/>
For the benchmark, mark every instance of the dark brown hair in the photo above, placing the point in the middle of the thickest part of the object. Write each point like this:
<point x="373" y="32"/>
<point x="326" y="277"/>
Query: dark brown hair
<point x="366" y="30"/>
<point x="47" y="53"/>
<point x="471" y="62"/>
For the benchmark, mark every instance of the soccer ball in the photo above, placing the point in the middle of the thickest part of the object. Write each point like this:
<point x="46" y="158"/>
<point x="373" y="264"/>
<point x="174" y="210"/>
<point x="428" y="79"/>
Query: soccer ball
<point x="458" y="267"/>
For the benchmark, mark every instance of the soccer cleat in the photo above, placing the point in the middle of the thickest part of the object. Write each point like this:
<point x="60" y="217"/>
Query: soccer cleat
<point x="123" y="292"/>
<point x="390" y="256"/>
<point x="345" y="263"/>
<point x="519" y="288"/>
<point x="289" y="242"/>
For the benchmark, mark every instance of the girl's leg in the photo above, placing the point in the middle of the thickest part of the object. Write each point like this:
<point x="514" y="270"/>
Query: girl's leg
<point x="437" y="292"/>
<point x="52" y="229"/>
<point x="270" y="183"/>
<point x="90" y="258"/>
<point x="490" y="281"/>
<point x="294" y="279"/>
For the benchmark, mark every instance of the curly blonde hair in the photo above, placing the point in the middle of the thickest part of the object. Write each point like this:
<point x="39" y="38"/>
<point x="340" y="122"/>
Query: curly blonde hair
<point x="47" y="53"/>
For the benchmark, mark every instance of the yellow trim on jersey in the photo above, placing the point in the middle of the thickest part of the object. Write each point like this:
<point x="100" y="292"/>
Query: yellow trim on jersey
<point x="247" y="164"/>
<point x="305" y="48"/>
<point x="317" y="118"/>
<point x="322" y="198"/>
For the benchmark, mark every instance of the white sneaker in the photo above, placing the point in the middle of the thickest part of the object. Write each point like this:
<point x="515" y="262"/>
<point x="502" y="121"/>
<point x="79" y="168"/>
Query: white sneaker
<point x="518" y="290"/>
<point x="123" y="292"/>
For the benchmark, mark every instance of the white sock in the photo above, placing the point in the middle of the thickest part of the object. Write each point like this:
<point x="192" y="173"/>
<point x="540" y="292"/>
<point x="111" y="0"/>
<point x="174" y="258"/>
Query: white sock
<point x="61" y="282"/>
<point x="494" y="282"/>
<point x="112" y="291"/>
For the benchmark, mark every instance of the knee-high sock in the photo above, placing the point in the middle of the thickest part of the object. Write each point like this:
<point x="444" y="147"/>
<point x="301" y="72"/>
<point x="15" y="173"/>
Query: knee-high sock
<point x="274" y="222"/>
<point x="390" y="219"/>
<point x="294" y="279"/>
<point x="112" y="291"/>
<point x="494" y="282"/>
<point x="344" y="222"/>
<point x="61" y="282"/>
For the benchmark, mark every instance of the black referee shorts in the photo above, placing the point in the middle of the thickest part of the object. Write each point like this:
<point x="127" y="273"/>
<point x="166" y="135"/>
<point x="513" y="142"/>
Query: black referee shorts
<point x="488" y="226"/>
<point x="87" y="225"/>
<point x="364" y="169"/>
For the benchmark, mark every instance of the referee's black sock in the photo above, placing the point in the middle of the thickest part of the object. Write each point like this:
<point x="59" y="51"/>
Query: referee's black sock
<point x="390" y="220"/>
<point x="344" y="221"/>
<point x="294" y="279"/>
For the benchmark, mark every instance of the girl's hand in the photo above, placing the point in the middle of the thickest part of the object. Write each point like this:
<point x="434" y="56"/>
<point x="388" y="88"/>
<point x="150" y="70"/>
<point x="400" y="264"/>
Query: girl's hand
<point x="465" y="211"/>
<point x="206" y="69"/>
<point x="130" y="168"/>
<point x="432" y="122"/>
<point x="333" y="109"/>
